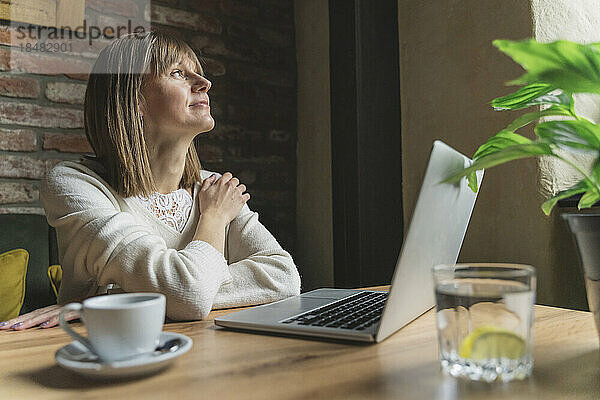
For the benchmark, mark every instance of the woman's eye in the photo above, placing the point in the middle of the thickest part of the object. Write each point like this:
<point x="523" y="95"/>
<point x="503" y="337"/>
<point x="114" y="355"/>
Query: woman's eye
<point x="178" y="72"/>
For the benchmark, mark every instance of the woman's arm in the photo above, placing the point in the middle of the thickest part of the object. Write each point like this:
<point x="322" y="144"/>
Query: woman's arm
<point x="99" y="245"/>
<point x="46" y="317"/>
<point x="262" y="271"/>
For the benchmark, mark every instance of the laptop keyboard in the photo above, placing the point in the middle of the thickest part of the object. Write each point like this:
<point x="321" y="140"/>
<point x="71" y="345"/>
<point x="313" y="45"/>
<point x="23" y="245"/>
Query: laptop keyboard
<point x="357" y="312"/>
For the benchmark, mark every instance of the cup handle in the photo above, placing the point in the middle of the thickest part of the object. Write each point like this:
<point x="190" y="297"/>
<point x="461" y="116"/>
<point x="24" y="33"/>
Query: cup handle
<point x="65" y="325"/>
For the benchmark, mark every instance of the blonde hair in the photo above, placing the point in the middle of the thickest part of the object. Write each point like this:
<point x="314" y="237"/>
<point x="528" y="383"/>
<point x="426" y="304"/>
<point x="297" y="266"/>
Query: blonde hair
<point x="113" y="122"/>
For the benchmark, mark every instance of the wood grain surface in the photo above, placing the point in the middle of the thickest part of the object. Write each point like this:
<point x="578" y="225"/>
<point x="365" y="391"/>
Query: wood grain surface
<point x="231" y="365"/>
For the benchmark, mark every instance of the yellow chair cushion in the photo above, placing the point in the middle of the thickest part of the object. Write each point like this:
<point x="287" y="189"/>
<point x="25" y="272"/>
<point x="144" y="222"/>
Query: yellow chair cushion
<point x="13" y="270"/>
<point x="55" y="276"/>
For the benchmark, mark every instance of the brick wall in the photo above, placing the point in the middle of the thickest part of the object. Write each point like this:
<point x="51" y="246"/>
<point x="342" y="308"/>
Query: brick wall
<point x="249" y="55"/>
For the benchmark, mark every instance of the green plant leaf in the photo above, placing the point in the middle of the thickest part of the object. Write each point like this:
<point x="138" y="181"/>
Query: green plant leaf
<point x="549" y="204"/>
<point x="533" y="116"/>
<point x="472" y="179"/>
<point x="530" y="95"/>
<point x="577" y="134"/>
<point x="595" y="175"/>
<point x="502" y="156"/>
<point x="573" y="67"/>
<point x="499" y="141"/>
<point x="589" y="198"/>
<point x="592" y="195"/>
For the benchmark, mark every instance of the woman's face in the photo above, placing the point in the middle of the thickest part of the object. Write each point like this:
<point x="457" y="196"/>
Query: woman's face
<point x="177" y="104"/>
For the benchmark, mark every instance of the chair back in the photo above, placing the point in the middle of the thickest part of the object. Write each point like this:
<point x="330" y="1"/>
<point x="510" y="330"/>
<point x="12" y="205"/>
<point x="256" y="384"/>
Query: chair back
<point x="32" y="233"/>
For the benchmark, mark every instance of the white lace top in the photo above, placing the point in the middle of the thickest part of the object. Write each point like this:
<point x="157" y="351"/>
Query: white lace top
<point x="172" y="208"/>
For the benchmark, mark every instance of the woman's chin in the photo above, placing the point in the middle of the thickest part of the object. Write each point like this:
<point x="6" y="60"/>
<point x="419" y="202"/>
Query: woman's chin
<point x="209" y="124"/>
<point x="205" y="127"/>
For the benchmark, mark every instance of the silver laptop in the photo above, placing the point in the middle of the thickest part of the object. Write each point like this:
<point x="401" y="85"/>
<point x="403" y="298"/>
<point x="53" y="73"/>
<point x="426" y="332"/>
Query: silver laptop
<point x="435" y="235"/>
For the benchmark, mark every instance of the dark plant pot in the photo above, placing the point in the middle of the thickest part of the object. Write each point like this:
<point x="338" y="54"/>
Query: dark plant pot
<point x="586" y="230"/>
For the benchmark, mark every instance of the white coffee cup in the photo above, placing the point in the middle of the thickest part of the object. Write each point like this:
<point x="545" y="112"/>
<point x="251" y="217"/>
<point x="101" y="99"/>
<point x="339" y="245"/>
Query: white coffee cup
<point x="119" y="326"/>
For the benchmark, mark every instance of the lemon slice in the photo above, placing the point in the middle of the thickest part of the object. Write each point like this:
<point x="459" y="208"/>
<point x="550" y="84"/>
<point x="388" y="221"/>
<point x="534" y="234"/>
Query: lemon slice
<point x="486" y="342"/>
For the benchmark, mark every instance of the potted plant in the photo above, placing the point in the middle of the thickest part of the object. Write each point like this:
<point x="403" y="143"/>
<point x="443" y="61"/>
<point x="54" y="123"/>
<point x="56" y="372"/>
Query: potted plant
<point x="554" y="72"/>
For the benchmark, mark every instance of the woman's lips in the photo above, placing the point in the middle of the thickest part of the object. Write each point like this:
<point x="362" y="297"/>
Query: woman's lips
<point x="203" y="103"/>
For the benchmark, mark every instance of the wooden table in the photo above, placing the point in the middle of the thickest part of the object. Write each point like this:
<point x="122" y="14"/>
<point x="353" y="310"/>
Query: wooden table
<point x="231" y="365"/>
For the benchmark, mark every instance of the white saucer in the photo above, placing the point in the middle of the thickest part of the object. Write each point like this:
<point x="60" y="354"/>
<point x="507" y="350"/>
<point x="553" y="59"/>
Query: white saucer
<point x="77" y="358"/>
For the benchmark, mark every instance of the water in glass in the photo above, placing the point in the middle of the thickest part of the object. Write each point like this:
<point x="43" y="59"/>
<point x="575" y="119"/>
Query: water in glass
<point x="485" y="327"/>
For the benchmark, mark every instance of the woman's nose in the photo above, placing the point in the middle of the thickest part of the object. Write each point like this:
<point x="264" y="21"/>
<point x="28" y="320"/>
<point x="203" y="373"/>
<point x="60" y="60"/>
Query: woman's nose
<point x="201" y="84"/>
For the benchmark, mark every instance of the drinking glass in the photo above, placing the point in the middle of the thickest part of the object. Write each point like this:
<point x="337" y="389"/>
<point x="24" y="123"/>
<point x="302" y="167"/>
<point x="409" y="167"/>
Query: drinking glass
<point x="485" y="320"/>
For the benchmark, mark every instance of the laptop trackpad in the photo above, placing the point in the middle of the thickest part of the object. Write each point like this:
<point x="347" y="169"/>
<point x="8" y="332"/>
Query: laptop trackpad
<point x="273" y="312"/>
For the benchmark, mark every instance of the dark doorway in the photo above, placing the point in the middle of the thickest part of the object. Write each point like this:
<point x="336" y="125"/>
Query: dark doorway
<point x="365" y="129"/>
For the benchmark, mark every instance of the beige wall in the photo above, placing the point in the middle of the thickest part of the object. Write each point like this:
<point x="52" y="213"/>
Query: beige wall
<point x="314" y="246"/>
<point x="577" y="21"/>
<point x="449" y="73"/>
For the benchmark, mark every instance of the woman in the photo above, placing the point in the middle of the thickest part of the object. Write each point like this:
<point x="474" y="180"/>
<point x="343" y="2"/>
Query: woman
<point x="142" y="215"/>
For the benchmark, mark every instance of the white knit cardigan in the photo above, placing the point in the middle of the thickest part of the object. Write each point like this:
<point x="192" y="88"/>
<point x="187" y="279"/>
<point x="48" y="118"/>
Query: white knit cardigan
<point x="106" y="239"/>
